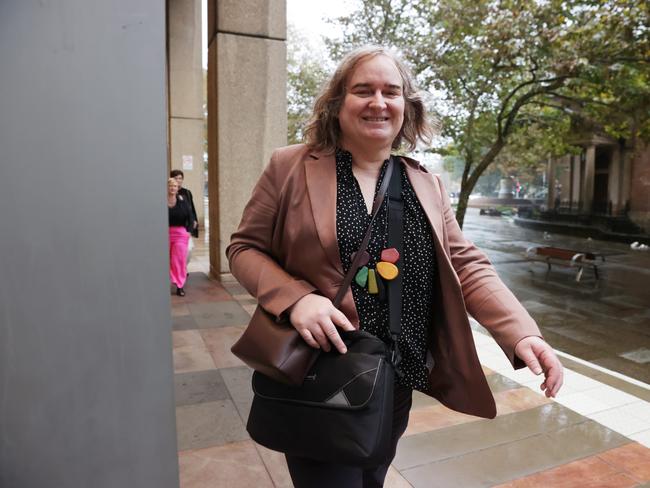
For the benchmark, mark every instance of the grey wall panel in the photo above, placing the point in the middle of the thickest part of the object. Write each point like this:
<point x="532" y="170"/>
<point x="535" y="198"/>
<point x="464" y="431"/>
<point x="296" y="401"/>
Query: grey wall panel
<point x="86" y="395"/>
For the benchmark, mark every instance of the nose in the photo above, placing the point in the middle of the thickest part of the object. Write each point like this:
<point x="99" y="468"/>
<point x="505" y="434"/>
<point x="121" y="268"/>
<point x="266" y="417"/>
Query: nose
<point x="377" y="100"/>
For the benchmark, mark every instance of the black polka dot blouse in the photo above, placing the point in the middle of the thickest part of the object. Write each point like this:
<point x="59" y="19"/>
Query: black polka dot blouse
<point x="417" y="263"/>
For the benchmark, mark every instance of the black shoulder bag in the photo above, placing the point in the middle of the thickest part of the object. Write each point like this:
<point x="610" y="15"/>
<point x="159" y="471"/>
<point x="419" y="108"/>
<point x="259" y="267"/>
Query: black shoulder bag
<point x="343" y="411"/>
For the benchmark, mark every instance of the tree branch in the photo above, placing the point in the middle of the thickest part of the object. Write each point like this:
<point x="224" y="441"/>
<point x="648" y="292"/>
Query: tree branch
<point x="514" y="91"/>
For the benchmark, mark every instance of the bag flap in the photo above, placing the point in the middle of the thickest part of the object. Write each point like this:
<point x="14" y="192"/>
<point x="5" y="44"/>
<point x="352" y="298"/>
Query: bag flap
<point x="336" y="380"/>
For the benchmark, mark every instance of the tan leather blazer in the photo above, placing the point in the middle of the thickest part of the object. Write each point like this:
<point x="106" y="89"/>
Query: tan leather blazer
<point x="286" y="247"/>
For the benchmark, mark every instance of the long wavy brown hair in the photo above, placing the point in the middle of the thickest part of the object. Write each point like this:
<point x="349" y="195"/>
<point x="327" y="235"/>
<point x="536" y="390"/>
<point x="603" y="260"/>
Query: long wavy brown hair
<point x="323" y="132"/>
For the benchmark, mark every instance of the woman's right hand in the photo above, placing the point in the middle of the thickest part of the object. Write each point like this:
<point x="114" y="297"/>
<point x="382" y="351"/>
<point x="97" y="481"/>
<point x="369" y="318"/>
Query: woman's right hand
<point x="315" y="318"/>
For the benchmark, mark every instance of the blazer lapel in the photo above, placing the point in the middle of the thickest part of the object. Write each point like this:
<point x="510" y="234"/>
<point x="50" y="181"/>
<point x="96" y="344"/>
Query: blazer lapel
<point x="428" y="195"/>
<point x="320" y="170"/>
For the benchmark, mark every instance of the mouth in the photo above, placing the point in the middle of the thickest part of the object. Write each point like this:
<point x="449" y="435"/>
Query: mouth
<point x="375" y="119"/>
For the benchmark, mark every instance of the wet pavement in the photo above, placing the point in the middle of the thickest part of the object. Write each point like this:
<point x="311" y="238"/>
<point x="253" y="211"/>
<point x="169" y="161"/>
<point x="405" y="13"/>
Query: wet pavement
<point x="592" y="435"/>
<point x="595" y="434"/>
<point x="604" y="321"/>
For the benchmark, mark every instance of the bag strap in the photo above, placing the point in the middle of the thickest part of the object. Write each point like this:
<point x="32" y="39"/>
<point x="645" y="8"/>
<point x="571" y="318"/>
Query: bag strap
<point x="376" y="205"/>
<point x="396" y="240"/>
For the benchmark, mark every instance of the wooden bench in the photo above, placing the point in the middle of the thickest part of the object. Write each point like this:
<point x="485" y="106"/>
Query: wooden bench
<point x="566" y="257"/>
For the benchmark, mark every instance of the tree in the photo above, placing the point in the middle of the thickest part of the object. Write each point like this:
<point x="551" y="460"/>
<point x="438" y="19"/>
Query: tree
<point x="499" y="67"/>
<point x="305" y="76"/>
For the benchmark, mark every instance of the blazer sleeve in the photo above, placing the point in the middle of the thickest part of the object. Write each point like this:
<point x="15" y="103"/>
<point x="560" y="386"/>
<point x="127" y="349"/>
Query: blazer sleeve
<point x="250" y="250"/>
<point x="486" y="297"/>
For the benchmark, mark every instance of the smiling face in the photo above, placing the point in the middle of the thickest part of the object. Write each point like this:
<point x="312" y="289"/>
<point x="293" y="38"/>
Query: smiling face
<point x="373" y="109"/>
<point x="172" y="187"/>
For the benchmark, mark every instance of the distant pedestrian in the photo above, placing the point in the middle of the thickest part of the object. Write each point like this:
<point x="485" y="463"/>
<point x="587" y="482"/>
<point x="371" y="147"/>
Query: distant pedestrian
<point x="178" y="175"/>
<point x="180" y="225"/>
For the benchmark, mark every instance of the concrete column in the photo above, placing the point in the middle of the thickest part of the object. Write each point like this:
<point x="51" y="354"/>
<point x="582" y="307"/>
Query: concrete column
<point x="86" y="379"/>
<point x="247" y="107"/>
<point x="186" y="96"/>
<point x="636" y="186"/>
<point x="614" y="180"/>
<point x="588" y="179"/>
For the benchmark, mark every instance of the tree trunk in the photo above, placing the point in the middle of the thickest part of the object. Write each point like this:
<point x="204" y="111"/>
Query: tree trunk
<point x="463" y="199"/>
<point x="468" y="182"/>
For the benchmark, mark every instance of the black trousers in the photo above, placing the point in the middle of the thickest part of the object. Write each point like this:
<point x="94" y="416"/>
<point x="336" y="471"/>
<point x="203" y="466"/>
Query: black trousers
<point x="307" y="473"/>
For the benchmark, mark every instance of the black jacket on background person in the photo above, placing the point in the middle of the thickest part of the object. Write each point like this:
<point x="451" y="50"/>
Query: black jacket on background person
<point x="180" y="215"/>
<point x="187" y="195"/>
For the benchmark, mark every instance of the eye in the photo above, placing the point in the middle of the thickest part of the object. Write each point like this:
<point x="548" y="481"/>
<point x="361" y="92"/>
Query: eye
<point x="363" y="92"/>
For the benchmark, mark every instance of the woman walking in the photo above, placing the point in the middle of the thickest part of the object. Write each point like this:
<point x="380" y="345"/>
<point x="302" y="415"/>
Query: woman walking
<point x="180" y="226"/>
<point x="308" y="215"/>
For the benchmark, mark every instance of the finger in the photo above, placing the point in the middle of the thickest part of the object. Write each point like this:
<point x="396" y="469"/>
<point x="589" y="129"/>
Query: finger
<point x="320" y="337"/>
<point x="528" y="356"/>
<point x="307" y="337"/>
<point x="340" y="320"/>
<point x="334" y="337"/>
<point x="552" y="369"/>
<point x="559" y="380"/>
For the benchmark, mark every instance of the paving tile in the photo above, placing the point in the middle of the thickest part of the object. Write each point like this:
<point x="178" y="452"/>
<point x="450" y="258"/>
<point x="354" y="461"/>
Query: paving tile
<point x="395" y="480"/>
<point x="461" y="439"/>
<point x="638" y="409"/>
<point x="192" y="358"/>
<point x="184" y="322"/>
<point x="522" y="375"/>
<point x="421" y="400"/>
<point x="234" y="465"/>
<point x="605" y="378"/>
<point x="487" y="371"/>
<point x="184" y="338"/>
<point x="218" y="314"/>
<point x="437" y="416"/>
<point x="180" y="309"/>
<point x="619" y="421"/>
<point x="611" y="396"/>
<point x="234" y="288"/>
<point x="243" y="296"/>
<point x="583" y="403"/>
<point x="238" y="382"/>
<point x="202" y="295"/>
<point x="501" y="463"/>
<point x="496" y="362"/>
<point x="574" y="474"/>
<point x="509" y="401"/>
<point x="199" y="387"/>
<point x="499" y="383"/>
<point x="642" y="438"/>
<point x="276" y="465"/>
<point x="208" y="424"/>
<point x="434" y="417"/>
<point x="632" y="458"/>
<point x="580" y="382"/>
<point x="219" y="341"/>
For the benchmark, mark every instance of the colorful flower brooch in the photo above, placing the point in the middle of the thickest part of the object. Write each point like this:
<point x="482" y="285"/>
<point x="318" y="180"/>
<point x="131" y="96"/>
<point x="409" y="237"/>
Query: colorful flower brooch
<point x="386" y="268"/>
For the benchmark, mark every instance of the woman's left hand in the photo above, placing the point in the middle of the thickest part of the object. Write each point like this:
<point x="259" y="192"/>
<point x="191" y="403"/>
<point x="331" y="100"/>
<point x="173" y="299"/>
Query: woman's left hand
<point x="539" y="357"/>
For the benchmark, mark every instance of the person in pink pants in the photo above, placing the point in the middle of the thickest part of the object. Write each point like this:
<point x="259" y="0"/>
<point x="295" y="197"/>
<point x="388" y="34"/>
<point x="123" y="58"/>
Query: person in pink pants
<point x="180" y="225"/>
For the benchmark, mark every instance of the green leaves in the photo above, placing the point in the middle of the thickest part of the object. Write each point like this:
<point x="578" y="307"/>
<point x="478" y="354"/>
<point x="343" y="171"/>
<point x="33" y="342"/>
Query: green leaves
<point x="517" y="74"/>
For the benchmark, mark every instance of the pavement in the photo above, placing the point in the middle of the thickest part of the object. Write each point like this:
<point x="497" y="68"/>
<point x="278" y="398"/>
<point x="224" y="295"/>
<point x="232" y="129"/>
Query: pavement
<point x="595" y="434"/>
